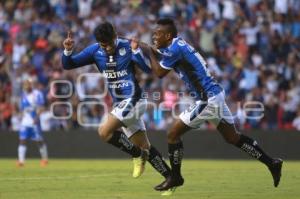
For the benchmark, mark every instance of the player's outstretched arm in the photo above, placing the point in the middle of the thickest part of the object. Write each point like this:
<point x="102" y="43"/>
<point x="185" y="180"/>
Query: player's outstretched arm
<point x="155" y="65"/>
<point x="70" y="61"/>
<point x="152" y="54"/>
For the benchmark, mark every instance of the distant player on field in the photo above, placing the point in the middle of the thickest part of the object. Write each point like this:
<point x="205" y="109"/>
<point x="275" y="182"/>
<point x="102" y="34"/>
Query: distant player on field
<point x="32" y="104"/>
<point x="176" y="54"/>
<point x="115" y="60"/>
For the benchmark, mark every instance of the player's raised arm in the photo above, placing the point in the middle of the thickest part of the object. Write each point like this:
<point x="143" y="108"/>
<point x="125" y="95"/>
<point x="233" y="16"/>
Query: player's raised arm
<point x="139" y="58"/>
<point x="70" y="61"/>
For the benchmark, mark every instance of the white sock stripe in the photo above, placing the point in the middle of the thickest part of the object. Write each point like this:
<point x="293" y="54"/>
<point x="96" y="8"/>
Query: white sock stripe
<point x="44" y="152"/>
<point x="22" y="152"/>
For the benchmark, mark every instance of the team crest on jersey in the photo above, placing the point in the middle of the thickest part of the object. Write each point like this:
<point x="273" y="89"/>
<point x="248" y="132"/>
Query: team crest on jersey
<point x="122" y="51"/>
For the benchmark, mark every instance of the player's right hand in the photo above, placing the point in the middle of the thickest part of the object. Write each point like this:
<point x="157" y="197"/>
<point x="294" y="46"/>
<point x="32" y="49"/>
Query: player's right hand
<point x="69" y="42"/>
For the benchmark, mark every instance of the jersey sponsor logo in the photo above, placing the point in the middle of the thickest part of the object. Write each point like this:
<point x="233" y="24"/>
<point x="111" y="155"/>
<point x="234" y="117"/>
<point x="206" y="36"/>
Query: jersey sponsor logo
<point x="100" y="52"/>
<point x="109" y="74"/>
<point x="118" y="85"/>
<point x="122" y="51"/>
<point x="111" y="64"/>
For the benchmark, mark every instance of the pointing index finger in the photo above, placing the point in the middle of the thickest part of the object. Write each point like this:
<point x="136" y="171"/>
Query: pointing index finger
<point x="69" y="34"/>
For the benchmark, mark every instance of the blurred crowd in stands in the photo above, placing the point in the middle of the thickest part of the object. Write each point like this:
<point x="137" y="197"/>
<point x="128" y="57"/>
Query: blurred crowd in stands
<point x="252" y="47"/>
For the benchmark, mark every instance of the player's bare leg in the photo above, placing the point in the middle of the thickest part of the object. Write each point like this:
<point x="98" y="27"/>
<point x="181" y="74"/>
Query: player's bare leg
<point x="141" y="140"/>
<point x="21" y="153"/>
<point x="175" y="148"/>
<point x="109" y="133"/>
<point x="250" y="146"/>
<point x="107" y="130"/>
<point x="44" y="153"/>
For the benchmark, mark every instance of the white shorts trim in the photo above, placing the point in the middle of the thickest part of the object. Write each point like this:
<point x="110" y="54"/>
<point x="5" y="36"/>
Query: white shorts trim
<point x="213" y="110"/>
<point x="130" y="113"/>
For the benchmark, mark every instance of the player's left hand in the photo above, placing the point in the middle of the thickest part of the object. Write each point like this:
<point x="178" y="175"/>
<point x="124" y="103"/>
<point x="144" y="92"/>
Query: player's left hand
<point x="68" y="43"/>
<point x="134" y="43"/>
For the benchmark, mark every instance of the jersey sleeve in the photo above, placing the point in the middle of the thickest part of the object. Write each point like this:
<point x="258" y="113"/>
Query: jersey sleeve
<point x="169" y="58"/>
<point x="85" y="57"/>
<point x="142" y="62"/>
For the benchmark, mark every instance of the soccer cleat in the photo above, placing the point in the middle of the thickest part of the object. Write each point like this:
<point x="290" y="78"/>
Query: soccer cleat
<point x="169" y="183"/>
<point x="169" y="192"/>
<point x="43" y="163"/>
<point x="20" y="164"/>
<point x="275" y="170"/>
<point x="139" y="164"/>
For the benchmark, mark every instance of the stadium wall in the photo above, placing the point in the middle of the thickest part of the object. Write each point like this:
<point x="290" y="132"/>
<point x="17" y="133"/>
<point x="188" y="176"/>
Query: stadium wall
<point x="201" y="144"/>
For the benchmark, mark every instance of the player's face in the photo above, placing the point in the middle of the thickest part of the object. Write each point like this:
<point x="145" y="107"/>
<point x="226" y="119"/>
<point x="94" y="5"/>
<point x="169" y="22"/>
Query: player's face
<point x="161" y="37"/>
<point x="109" y="47"/>
<point x="27" y="85"/>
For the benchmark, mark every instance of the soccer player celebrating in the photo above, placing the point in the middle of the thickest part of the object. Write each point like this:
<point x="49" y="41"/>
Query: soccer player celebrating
<point x="32" y="104"/>
<point x="175" y="53"/>
<point x="114" y="58"/>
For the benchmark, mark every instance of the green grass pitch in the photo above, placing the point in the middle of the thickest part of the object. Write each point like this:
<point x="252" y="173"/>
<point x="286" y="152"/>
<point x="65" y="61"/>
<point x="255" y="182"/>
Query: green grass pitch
<point x="111" y="179"/>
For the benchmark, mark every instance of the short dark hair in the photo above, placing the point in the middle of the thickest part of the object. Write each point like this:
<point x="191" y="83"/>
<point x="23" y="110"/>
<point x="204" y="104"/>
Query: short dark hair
<point x="104" y="32"/>
<point x="171" y="25"/>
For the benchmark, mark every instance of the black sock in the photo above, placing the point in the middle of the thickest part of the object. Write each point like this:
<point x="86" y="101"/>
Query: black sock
<point x="157" y="162"/>
<point x="175" y="156"/>
<point x="251" y="147"/>
<point x="121" y="141"/>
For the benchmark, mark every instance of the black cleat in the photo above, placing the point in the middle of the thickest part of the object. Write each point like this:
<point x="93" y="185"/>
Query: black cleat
<point x="169" y="183"/>
<point x="275" y="170"/>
